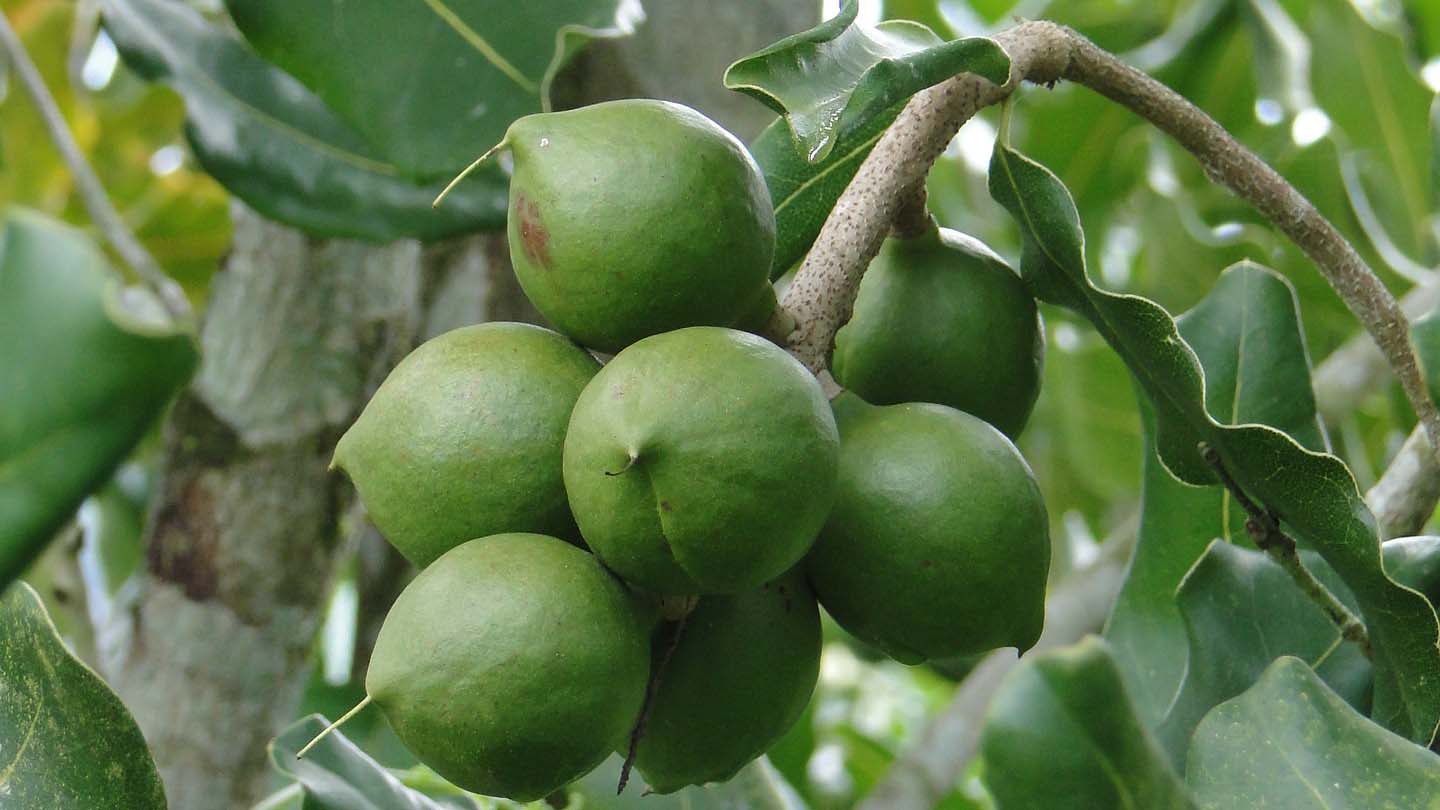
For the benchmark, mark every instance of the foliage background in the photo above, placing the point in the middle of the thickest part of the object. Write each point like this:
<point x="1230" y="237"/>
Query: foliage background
<point x="1335" y="93"/>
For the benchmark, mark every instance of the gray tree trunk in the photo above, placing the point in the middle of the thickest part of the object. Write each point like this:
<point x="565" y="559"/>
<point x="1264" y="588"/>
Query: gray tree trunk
<point x="242" y="533"/>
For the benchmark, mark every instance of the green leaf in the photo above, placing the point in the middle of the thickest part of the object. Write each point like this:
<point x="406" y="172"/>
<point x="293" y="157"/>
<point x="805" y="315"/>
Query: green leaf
<point x="429" y="83"/>
<point x="1291" y="742"/>
<point x="87" y="367"/>
<point x="1246" y="334"/>
<point x="279" y="148"/>
<point x="758" y="786"/>
<point x="803" y="192"/>
<point x="1061" y="733"/>
<point x="1313" y="494"/>
<point x="833" y="79"/>
<point x="66" y="740"/>
<point x="1242" y="611"/>
<point x="336" y="775"/>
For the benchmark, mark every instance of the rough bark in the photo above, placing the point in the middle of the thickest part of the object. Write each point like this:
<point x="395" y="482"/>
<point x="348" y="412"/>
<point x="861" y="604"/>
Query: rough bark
<point x="242" y="533"/>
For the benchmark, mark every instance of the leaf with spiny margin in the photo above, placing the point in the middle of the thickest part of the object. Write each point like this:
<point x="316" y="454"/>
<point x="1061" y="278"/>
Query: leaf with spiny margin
<point x="803" y="192"/>
<point x="1313" y="494"/>
<point x="1061" y="733"/>
<point x="86" y="367"/>
<point x="1289" y="741"/>
<point x="66" y="740"/>
<point x="1242" y="611"/>
<point x="832" y="80"/>
<point x="429" y="83"/>
<point x="1247" y="335"/>
<point x="276" y="146"/>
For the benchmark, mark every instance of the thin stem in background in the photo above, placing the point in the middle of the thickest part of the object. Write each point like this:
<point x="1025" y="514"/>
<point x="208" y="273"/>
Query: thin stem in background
<point x="92" y="193"/>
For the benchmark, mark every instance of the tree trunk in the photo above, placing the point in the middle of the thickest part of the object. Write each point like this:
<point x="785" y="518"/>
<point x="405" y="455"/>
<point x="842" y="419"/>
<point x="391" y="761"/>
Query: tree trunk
<point x="242" y="533"/>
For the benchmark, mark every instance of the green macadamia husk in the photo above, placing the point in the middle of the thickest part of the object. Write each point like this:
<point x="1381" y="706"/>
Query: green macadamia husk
<point x="701" y="461"/>
<point x="635" y="217"/>
<point x="739" y="677"/>
<point x="940" y="318"/>
<point x="464" y="438"/>
<point x="512" y="665"/>
<point x="938" y="544"/>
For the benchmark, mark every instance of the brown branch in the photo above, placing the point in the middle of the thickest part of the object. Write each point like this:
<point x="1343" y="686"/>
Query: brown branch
<point x="1228" y="162"/>
<point x="1405" y="496"/>
<point x="822" y="296"/>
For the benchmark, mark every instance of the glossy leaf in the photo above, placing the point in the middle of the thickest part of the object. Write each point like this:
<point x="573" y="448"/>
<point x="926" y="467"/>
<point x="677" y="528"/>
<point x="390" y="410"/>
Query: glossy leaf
<point x="833" y="79"/>
<point x="1289" y="741"/>
<point x="1061" y="733"/>
<point x="1246" y="334"/>
<point x="66" y="740"/>
<point x="279" y="148"/>
<point x="1313" y="494"/>
<point x="431" y="83"/>
<point x="87" y="367"/>
<point x="1242" y="611"/>
<point x="804" y="192"/>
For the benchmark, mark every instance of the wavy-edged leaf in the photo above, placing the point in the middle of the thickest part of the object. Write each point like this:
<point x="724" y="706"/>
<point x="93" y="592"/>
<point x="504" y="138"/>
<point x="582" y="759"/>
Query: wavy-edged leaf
<point x="1242" y="611"/>
<point x="276" y="146"/>
<point x="1247" y="335"/>
<point x="430" y="83"/>
<point x="1313" y="494"/>
<point x="803" y="192"/>
<point x="1061" y="733"/>
<point x="86" y="368"/>
<point x="66" y="740"/>
<point x="1289" y="741"/>
<point x="833" y="79"/>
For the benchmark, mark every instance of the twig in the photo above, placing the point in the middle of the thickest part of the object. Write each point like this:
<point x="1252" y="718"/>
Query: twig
<point x="822" y="296"/>
<point x="92" y="194"/>
<point x="1265" y="529"/>
<point x="1405" y="496"/>
<point x="823" y="293"/>
<point x="651" y="688"/>
<point x="1228" y="162"/>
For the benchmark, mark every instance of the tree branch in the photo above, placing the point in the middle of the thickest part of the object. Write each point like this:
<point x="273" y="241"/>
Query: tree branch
<point x="1405" y="496"/>
<point x="92" y="193"/>
<point x="1228" y="162"/>
<point x="822" y="296"/>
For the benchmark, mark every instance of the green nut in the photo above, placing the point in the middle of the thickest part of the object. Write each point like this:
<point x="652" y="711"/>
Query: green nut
<point x="739" y="677"/>
<point x="701" y="461"/>
<point x="940" y="318"/>
<point x="464" y="438"/>
<point x="512" y="665"/>
<point x="938" y="544"/>
<point x="631" y="218"/>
